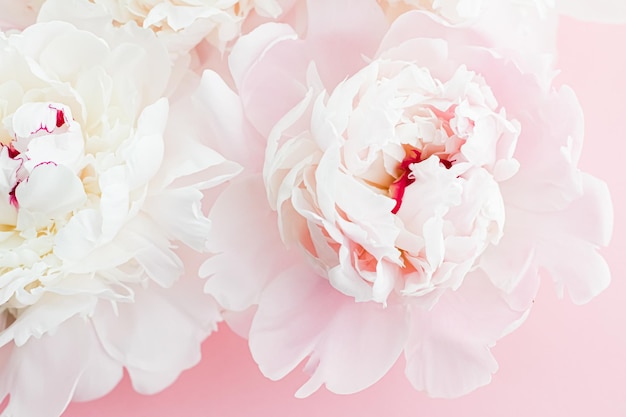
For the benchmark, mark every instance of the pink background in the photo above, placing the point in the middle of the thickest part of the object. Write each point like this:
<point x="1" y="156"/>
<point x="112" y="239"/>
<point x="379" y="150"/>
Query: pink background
<point x="565" y="360"/>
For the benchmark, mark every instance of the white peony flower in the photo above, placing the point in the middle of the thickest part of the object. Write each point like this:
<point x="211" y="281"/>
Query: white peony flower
<point x="180" y="24"/>
<point x="98" y="181"/>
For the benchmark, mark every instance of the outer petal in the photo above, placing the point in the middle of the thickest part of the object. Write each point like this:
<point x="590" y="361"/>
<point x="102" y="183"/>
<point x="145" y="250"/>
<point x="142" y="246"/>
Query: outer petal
<point x="50" y="311"/>
<point x="100" y="375"/>
<point x="336" y="34"/>
<point x="351" y="345"/>
<point x="271" y="53"/>
<point x="264" y="58"/>
<point x="448" y="349"/>
<point x="247" y="246"/>
<point x="156" y="354"/>
<point x="222" y="112"/>
<point x="567" y="242"/>
<point x="192" y="159"/>
<point x="41" y="375"/>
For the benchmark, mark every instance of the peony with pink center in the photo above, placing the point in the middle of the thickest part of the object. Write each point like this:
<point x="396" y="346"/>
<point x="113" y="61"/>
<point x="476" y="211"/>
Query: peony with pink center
<point x="403" y="188"/>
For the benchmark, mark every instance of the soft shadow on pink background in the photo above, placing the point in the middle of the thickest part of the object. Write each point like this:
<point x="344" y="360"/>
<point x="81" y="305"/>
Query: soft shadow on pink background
<point x="566" y="360"/>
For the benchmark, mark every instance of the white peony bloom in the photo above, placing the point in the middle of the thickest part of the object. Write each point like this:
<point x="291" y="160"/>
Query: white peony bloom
<point x="98" y="181"/>
<point x="180" y="24"/>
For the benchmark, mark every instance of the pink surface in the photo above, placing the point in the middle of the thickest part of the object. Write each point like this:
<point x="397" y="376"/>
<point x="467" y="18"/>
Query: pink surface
<point x="565" y="360"/>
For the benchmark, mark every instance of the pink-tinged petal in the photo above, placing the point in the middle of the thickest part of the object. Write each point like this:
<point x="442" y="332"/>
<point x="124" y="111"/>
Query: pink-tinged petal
<point x="595" y="207"/>
<point x="414" y="25"/>
<point x="100" y="374"/>
<point x="548" y="152"/>
<point x="192" y="159"/>
<point x="264" y="58"/>
<point x="447" y="352"/>
<point x="248" y="252"/>
<point x="605" y="11"/>
<point x="563" y="242"/>
<point x="509" y="262"/>
<point x="18" y="15"/>
<point x="575" y="265"/>
<point x="41" y="375"/>
<point x="231" y="134"/>
<point x="305" y="316"/>
<point x="251" y="48"/>
<point x="589" y="217"/>
<point x="240" y="321"/>
<point x="185" y="317"/>
<point x="331" y="17"/>
<point x="150" y="382"/>
<point x="568" y="242"/>
<point x="335" y="34"/>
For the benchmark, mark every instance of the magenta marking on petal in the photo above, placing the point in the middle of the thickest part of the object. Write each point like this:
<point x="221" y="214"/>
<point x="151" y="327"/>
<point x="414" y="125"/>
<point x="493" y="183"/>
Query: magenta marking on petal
<point x="446" y="163"/>
<point x="45" y="163"/>
<point x="12" y="198"/>
<point x="60" y="121"/>
<point x="397" y="188"/>
<point x="40" y="128"/>
<point x="13" y="153"/>
<point x="60" y="117"/>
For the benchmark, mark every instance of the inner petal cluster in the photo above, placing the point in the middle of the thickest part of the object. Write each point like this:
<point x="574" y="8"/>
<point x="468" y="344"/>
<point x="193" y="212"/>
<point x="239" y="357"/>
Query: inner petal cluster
<point x="396" y="191"/>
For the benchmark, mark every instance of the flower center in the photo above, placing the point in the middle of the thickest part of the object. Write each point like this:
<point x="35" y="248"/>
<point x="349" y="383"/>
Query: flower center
<point x="406" y="178"/>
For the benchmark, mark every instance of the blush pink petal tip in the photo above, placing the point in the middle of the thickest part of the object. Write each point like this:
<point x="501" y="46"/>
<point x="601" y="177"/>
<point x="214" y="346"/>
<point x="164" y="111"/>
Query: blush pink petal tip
<point x="407" y="204"/>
